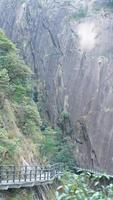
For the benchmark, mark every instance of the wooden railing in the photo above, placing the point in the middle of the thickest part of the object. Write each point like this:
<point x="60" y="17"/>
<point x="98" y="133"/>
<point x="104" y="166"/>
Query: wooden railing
<point x="28" y="176"/>
<point x="99" y="172"/>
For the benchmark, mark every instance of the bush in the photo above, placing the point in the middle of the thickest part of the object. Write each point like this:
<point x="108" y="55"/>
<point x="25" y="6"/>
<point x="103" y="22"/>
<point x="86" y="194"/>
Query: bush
<point x="78" y="187"/>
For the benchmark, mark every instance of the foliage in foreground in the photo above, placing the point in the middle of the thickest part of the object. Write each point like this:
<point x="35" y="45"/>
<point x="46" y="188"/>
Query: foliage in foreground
<point x="84" y="187"/>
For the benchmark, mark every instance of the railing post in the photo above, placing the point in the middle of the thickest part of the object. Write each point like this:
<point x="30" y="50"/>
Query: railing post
<point x="40" y="175"/>
<point x="60" y="168"/>
<point x="14" y="173"/>
<point x="51" y="173"/>
<point x="35" y="173"/>
<point x="54" y="173"/>
<point x="0" y="174"/>
<point x="25" y="175"/>
<point x="44" y="173"/>
<point x="7" y="176"/>
<point x="19" y="174"/>
<point x="30" y="174"/>
<point x="48" y="174"/>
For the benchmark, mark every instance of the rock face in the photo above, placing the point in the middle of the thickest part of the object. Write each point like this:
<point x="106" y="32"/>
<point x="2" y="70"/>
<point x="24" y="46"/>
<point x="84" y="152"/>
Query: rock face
<point x="70" y="49"/>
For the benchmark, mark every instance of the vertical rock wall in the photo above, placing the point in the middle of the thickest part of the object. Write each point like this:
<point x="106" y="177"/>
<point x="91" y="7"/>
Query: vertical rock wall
<point x="72" y="54"/>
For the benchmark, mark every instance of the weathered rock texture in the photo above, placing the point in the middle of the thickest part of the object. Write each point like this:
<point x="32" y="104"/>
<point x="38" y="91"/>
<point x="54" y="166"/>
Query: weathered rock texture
<point x="73" y="57"/>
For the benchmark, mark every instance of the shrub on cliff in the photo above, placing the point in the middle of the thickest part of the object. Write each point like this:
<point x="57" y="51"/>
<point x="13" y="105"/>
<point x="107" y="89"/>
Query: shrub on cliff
<point x="19" y="117"/>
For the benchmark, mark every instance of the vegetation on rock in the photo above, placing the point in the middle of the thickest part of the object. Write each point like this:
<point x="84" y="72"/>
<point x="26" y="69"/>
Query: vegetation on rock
<point x="84" y="186"/>
<point x="20" y="121"/>
<point x="19" y="117"/>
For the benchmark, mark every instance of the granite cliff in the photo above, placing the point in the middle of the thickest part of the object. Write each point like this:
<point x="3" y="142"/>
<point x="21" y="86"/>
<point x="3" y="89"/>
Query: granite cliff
<point x="68" y="44"/>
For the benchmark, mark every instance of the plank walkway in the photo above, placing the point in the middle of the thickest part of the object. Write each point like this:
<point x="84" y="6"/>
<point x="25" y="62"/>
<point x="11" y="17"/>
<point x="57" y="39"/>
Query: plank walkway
<point x="92" y="171"/>
<point x="28" y="176"/>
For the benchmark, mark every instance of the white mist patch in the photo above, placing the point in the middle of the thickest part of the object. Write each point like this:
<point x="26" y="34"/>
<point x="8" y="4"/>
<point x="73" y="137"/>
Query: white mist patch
<point x="87" y="35"/>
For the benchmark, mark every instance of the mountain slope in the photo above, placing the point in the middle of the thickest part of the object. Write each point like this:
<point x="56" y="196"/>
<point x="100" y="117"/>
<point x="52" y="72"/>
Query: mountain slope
<point x="19" y="118"/>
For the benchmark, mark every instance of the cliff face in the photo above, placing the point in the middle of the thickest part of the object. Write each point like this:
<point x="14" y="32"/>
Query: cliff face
<point x="70" y="49"/>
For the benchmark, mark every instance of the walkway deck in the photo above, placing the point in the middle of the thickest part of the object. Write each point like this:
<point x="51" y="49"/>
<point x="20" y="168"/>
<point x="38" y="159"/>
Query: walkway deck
<point x="27" y="176"/>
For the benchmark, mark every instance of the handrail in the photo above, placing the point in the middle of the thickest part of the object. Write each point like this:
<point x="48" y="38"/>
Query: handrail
<point x="92" y="171"/>
<point x="28" y="176"/>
